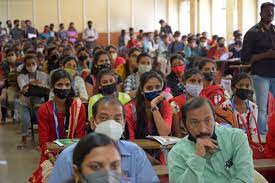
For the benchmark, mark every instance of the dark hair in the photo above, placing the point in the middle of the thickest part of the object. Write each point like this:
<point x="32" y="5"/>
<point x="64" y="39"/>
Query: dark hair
<point x="40" y="55"/>
<point x="132" y="50"/>
<point x="98" y="54"/>
<point x="190" y="39"/>
<point x="220" y="38"/>
<point x="183" y="37"/>
<point x="190" y="73"/>
<point x="161" y="21"/>
<point x="195" y="103"/>
<point x="67" y="59"/>
<point x="87" y="144"/>
<point x="109" y="47"/>
<point x="201" y="38"/>
<point x="204" y="62"/>
<point x="97" y="48"/>
<point x="56" y="76"/>
<point x="215" y="37"/>
<point x="161" y="74"/>
<point x="82" y="49"/>
<point x="142" y="121"/>
<point x="9" y="50"/>
<point x="236" y="78"/>
<point x="15" y="21"/>
<point x="143" y="55"/>
<point x="106" y="100"/>
<point x="59" y="74"/>
<point x="176" y="56"/>
<point x="96" y="58"/>
<point x="89" y="22"/>
<point x="177" y="34"/>
<point x="266" y="4"/>
<point x="104" y="72"/>
<point x="27" y="57"/>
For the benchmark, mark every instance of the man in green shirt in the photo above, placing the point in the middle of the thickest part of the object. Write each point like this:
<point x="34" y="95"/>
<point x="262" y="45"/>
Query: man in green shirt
<point x="210" y="153"/>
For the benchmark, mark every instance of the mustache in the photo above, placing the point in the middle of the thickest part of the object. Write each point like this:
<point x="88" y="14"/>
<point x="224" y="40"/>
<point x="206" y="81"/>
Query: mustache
<point x="202" y="135"/>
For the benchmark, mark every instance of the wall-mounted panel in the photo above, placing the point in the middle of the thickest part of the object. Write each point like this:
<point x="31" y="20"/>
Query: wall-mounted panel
<point x="97" y="12"/>
<point x="46" y="12"/>
<point x="72" y="11"/>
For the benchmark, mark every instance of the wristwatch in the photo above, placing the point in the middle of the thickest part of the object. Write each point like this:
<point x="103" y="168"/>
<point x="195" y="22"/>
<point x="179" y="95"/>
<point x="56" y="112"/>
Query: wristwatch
<point x="155" y="108"/>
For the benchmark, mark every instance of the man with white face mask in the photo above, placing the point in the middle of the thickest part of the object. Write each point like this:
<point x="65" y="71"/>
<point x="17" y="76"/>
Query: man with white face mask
<point x="203" y="47"/>
<point x="109" y="120"/>
<point x="176" y="46"/>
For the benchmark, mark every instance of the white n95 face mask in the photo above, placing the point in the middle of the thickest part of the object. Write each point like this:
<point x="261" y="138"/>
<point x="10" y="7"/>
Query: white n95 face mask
<point x="193" y="89"/>
<point x="111" y="128"/>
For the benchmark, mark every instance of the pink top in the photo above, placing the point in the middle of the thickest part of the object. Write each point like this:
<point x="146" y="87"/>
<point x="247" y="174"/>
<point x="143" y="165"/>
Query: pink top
<point x="72" y="34"/>
<point x="131" y="117"/>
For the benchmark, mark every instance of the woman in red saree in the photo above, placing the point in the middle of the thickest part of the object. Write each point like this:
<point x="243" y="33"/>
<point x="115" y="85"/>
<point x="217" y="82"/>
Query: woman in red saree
<point x="62" y="117"/>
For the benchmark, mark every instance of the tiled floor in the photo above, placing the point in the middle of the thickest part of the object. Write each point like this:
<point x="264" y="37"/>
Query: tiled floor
<point x="16" y="165"/>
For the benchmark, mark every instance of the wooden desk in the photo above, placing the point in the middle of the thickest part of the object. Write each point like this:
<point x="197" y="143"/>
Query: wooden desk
<point x="145" y="144"/>
<point x="161" y="170"/>
<point x="264" y="164"/>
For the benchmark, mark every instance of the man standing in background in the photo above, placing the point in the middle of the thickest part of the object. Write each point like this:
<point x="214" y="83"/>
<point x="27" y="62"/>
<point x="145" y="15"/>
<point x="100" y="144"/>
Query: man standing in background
<point x="90" y="35"/>
<point x="259" y="51"/>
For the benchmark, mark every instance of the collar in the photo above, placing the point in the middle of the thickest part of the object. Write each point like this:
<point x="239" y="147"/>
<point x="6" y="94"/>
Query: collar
<point x="123" y="148"/>
<point x="262" y="28"/>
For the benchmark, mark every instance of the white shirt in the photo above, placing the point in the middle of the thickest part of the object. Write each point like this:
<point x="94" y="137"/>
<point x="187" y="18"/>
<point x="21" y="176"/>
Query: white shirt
<point x="24" y="79"/>
<point x="90" y="35"/>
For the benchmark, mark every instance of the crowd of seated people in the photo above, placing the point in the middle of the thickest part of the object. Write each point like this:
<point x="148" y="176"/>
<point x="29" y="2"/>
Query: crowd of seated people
<point x="148" y="85"/>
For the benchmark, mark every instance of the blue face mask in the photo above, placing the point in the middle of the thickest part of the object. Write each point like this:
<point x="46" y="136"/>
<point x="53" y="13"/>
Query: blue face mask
<point x="152" y="94"/>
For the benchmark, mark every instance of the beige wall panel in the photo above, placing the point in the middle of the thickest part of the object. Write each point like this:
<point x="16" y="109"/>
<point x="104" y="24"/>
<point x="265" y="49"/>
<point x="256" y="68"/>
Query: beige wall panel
<point x="46" y="12"/>
<point x="72" y="11"/>
<point x="249" y="17"/>
<point x="120" y="18"/>
<point x="20" y="9"/>
<point x="174" y="10"/>
<point x="143" y="11"/>
<point x="96" y="10"/>
<point x="205" y="18"/>
<point x="3" y="11"/>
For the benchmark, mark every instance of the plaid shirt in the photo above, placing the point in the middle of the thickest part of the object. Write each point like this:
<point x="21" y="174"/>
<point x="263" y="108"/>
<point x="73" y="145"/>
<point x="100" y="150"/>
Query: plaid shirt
<point x="132" y="82"/>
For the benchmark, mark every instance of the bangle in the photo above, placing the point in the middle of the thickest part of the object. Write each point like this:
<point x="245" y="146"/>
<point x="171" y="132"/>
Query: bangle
<point x="155" y="108"/>
<point x="47" y="152"/>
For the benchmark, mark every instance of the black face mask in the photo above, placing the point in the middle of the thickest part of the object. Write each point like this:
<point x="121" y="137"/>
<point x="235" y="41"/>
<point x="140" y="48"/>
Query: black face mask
<point x="244" y="94"/>
<point x="98" y="68"/>
<point x="221" y="45"/>
<point x="61" y="93"/>
<point x="82" y="58"/>
<point x="54" y="57"/>
<point x="208" y="76"/>
<point x="109" y="89"/>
